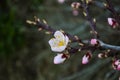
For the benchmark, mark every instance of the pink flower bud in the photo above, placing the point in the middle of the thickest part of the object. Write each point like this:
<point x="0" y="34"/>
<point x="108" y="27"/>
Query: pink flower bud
<point x="75" y="12"/>
<point x="61" y="1"/>
<point x="101" y="55"/>
<point x="75" y="5"/>
<point x="93" y="42"/>
<point x="112" y="22"/>
<point x="86" y="58"/>
<point x="118" y="67"/>
<point x="60" y="58"/>
<point x="116" y="64"/>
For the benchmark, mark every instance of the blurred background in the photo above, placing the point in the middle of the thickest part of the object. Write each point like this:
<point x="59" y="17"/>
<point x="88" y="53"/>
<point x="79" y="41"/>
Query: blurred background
<point x="25" y="53"/>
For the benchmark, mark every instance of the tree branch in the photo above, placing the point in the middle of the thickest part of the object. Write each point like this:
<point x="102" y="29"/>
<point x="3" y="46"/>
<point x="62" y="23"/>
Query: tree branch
<point x="85" y="43"/>
<point x="108" y="46"/>
<point x="105" y="45"/>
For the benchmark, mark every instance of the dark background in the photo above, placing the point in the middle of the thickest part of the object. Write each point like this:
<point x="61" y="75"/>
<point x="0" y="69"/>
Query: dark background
<point x="25" y="53"/>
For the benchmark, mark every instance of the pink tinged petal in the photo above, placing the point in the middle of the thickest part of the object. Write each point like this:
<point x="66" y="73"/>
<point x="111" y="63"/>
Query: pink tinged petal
<point x="59" y="59"/>
<point x="117" y="62"/>
<point x="118" y="67"/>
<point x="61" y="1"/>
<point x="86" y="58"/>
<point x="93" y="42"/>
<point x="112" y="22"/>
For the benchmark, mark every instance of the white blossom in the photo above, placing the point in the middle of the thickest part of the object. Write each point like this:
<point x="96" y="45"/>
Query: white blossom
<point x="59" y="43"/>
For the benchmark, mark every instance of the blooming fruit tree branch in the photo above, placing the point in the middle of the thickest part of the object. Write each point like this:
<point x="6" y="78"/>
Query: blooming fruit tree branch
<point x="61" y="41"/>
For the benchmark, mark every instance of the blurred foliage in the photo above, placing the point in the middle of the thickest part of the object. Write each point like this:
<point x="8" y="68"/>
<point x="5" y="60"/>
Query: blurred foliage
<point x="25" y="53"/>
<point x="11" y="36"/>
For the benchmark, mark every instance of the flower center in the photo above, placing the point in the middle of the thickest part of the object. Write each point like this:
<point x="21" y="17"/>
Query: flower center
<point x="61" y="43"/>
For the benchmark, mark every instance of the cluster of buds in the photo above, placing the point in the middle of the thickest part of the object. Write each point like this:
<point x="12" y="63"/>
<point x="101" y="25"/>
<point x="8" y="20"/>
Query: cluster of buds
<point x="116" y="62"/>
<point x="59" y="45"/>
<point x="104" y="54"/>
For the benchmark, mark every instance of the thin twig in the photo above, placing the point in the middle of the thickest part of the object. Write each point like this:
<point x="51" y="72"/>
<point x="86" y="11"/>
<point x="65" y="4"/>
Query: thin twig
<point x="43" y="26"/>
<point x="90" y="20"/>
<point x="113" y="11"/>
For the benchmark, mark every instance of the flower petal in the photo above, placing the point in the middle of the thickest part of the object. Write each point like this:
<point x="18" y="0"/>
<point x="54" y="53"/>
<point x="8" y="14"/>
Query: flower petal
<point x="58" y="59"/>
<point x="59" y="35"/>
<point x="66" y="40"/>
<point x="61" y="1"/>
<point x="54" y="46"/>
<point x="85" y="59"/>
<point x="58" y="49"/>
<point x="59" y="43"/>
<point x="52" y="42"/>
<point x="110" y="21"/>
<point x="117" y="62"/>
<point x="118" y="67"/>
<point x="93" y="42"/>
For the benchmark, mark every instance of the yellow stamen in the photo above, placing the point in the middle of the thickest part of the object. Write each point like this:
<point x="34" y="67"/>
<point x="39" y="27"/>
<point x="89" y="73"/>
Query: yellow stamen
<point x="61" y="43"/>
